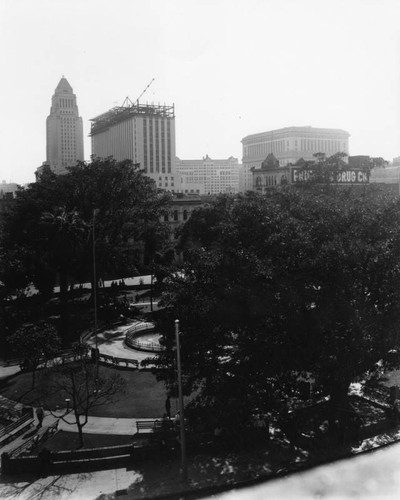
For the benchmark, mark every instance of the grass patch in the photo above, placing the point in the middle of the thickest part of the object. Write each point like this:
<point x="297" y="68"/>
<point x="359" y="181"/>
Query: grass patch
<point x="145" y="396"/>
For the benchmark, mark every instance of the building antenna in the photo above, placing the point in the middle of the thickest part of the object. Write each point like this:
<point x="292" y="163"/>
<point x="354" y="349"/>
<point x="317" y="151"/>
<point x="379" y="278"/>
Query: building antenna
<point x="137" y="100"/>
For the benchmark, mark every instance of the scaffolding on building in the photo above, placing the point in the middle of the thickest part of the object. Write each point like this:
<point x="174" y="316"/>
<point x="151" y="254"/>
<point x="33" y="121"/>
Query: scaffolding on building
<point x="128" y="110"/>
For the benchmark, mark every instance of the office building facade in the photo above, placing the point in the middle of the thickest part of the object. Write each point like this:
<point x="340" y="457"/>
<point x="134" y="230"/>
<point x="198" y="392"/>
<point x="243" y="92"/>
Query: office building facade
<point x="144" y="134"/>
<point x="208" y="176"/>
<point x="64" y="130"/>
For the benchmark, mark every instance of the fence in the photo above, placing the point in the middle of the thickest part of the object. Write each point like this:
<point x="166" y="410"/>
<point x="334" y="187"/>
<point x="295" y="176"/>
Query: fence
<point x="132" y="334"/>
<point x="84" y="459"/>
<point x="35" y="440"/>
<point x="12" y="430"/>
<point x="115" y="361"/>
<point x="10" y="410"/>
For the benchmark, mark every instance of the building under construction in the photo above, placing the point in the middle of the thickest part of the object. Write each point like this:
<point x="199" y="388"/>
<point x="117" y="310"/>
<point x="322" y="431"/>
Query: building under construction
<point x="143" y="133"/>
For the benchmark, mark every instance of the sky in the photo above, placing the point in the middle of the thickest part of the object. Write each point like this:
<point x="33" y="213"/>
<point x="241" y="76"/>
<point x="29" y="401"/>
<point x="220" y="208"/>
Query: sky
<point x="231" y="67"/>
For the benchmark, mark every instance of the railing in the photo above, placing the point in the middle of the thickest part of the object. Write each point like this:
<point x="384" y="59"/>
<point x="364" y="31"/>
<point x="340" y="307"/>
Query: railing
<point x="10" y="410"/>
<point x="132" y="334"/>
<point x="140" y="327"/>
<point x="30" y="444"/>
<point x="113" y="360"/>
<point x="13" y="429"/>
<point x="145" y="346"/>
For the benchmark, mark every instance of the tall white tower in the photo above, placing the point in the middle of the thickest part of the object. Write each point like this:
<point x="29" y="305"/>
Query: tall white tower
<point x="64" y="130"/>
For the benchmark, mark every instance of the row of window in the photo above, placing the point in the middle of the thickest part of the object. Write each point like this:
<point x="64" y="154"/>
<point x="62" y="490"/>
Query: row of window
<point x="148" y="139"/>
<point x="175" y="216"/>
<point x="311" y="145"/>
<point x="66" y="103"/>
<point x="270" y="180"/>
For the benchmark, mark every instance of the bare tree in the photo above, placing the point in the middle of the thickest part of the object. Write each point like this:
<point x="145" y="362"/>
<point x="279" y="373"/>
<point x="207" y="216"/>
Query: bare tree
<point x="77" y="381"/>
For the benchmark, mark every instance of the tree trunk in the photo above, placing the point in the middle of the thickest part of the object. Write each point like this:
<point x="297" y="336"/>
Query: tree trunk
<point x="80" y="430"/>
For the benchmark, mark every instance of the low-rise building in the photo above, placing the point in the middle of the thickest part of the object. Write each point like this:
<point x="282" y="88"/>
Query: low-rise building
<point x="208" y="176"/>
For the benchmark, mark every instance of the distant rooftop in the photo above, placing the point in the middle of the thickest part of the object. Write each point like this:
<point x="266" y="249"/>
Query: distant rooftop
<point x="63" y="87"/>
<point x="308" y="130"/>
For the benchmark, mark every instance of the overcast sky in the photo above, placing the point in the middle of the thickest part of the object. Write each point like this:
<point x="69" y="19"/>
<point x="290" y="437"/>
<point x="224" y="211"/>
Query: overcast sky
<point x="232" y="68"/>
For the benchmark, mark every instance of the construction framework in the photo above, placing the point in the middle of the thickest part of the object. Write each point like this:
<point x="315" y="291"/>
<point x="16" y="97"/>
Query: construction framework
<point x="121" y="113"/>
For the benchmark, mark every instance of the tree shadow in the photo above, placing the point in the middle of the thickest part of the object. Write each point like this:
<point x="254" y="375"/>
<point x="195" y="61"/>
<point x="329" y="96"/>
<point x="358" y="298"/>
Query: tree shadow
<point x="39" y="488"/>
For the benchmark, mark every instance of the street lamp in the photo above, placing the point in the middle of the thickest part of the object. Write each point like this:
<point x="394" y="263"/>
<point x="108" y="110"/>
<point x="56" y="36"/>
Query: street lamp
<point x="181" y="414"/>
<point x="95" y="211"/>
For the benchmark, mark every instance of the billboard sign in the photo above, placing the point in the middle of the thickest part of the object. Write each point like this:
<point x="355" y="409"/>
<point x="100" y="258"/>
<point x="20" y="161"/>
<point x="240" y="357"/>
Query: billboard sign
<point x="348" y="176"/>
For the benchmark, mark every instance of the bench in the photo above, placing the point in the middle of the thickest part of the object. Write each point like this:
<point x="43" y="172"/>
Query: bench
<point x="16" y="427"/>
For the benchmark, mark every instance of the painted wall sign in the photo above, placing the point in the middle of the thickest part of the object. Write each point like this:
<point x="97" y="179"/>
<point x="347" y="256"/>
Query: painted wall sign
<point x="349" y="176"/>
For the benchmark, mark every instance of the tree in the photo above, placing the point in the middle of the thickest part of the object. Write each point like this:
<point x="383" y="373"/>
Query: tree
<point x="297" y="282"/>
<point x="49" y="232"/>
<point x="64" y="235"/>
<point x="127" y="204"/>
<point x="35" y="344"/>
<point x="79" y="382"/>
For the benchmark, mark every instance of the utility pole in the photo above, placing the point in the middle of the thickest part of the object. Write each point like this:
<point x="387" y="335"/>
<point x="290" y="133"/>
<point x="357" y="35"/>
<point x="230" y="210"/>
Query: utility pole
<point x="181" y="414"/>
<point x="95" y="294"/>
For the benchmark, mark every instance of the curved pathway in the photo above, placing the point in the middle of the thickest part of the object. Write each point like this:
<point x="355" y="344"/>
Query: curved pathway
<point x="112" y="343"/>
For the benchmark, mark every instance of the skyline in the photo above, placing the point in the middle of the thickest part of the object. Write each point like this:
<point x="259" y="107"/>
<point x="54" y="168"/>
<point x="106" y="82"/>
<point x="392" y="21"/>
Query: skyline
<point x="231" y="68"/>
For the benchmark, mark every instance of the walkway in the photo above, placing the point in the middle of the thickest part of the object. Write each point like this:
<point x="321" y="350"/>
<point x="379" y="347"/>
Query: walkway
<point x="135" y="281"/>
<point x="112" y="342"/>
<point x="95" y="425"/>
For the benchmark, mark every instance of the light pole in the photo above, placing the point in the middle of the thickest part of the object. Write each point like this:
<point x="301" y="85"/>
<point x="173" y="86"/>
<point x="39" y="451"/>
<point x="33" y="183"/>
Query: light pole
<point x="95" y="293"/>
<point x="181" y="414"/>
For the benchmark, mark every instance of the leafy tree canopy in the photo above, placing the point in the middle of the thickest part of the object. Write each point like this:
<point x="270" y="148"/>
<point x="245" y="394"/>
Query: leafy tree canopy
<point x="53" y="218"/>
<point x="297" y="282"/>
<point x="34" y="344"/>
<point x="48" y="236"/>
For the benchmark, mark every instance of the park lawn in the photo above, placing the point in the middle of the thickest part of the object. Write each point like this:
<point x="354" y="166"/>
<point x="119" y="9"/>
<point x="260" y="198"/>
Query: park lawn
<point x="144" y="398"/>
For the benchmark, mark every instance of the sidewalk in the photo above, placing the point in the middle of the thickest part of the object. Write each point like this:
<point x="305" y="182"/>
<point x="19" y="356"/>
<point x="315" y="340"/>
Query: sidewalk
<point x="95" y="425"/>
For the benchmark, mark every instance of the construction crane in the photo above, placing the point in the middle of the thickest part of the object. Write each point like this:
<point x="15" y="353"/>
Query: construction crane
<point x="129" y="104"/>
<point x="144" y="91"/>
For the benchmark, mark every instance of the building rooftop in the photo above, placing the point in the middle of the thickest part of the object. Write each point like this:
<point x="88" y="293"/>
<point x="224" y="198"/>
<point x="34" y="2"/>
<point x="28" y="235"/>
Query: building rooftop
<point x="119" y="114"/>
<point x="297" y="130"/>
<point x="63" y="87"/>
